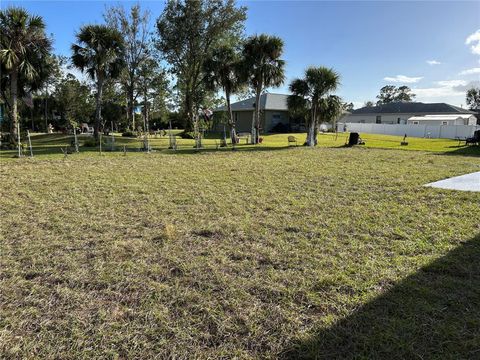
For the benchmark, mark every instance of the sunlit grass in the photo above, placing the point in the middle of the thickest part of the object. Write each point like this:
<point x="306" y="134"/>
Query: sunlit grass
<point x="52" y="144"/>
<point x="223" y="254"/>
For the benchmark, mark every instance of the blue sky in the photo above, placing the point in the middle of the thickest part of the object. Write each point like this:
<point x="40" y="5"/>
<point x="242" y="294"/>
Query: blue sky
<point x="433" y="47"/>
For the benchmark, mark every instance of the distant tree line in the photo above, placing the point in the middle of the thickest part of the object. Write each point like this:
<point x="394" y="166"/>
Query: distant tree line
<point x="171" y="74"/>
<point x="137" y="78"/>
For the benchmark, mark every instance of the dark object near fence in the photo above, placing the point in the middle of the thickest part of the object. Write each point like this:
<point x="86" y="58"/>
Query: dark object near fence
<point x="355" y="139"/>
<point x="404" y="142"/>
<point x="475" y="140"/>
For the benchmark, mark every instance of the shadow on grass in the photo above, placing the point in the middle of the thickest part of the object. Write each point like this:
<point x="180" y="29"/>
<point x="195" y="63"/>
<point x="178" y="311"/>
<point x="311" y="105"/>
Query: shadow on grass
<point x="241" y="148"/>
<point x="135" y="147"/>
<point x="432" y="314"/>
<point x="462" y="150"/>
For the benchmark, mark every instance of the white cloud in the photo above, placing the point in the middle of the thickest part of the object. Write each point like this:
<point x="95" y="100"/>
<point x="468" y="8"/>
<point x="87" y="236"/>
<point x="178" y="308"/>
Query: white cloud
<point x="403" y="79"/>
<point x="433" y="62"/>
<point x="449" y="91"/>
<point x="435" y="92"/>
<point x="452" y="83"/>
<point x="470" y="71"/>
<point x="474" y="41"/>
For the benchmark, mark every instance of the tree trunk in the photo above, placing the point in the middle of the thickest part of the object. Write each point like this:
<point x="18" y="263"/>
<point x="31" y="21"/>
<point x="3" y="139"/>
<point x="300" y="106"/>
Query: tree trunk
<point x="189" y="113"/>
<point x="132" y="106"/>
<point x="46" y="109"/>
<point x="127" y="102"/>
<point x="315" y="133"/>
<point x="145" y="112"/>
<point x="98" y="109"/>
<point x="233" y="132"/>
<point x="14" y="91"/>
<point x="311" y="128"/>
<point x="256" y="118"/>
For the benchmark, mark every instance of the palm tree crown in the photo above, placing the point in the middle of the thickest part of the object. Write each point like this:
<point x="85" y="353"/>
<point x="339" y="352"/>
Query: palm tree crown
<point x="22" y="37"/>
<point x="222" y="69"/>
<point x="99" y="51"/>
<point x="262" y="60"/>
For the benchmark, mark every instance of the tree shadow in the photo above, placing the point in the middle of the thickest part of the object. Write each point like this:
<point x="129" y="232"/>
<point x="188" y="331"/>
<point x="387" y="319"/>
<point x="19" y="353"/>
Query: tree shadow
<point x="432" y="314"/>
<point x="463" y="150"/>
<point x="137" y="148"/>
<point x="229" y="149"/>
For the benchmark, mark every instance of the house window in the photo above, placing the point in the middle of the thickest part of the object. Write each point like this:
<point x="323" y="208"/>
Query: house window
<point x="398" y="120"/>
<point x="415" y="123"/>
<point x="444" y="122"/>
<point x="378" y="120"/>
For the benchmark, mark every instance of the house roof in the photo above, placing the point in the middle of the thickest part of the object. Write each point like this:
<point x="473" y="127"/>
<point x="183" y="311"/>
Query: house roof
<point x="268" y="101"/>
<point x="411" y="108"/>
<point x="442" y="117"/>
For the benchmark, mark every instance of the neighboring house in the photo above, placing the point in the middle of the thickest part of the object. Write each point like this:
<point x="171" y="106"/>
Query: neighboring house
<point x="412" y="113"/>
<point x="273" y="111"/>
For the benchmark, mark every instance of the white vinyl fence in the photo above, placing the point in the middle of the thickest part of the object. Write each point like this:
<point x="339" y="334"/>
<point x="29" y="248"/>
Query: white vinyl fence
<point x="422" y="131"/>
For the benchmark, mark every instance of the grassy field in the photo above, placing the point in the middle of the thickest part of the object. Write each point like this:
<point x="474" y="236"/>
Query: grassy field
<point x="51" y="145"/>
<point x="322" y="253"/>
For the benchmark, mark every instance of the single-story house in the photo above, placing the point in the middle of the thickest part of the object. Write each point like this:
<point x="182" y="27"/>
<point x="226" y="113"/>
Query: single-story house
<point x="273" y="109"/>
<point x="403" y="112"/>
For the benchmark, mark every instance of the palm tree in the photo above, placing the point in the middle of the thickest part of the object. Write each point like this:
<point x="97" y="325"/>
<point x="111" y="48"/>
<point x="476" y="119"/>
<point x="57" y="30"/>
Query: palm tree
<point x="313" y="93"/>
<point x="99" y="53"/>
<point x="331" y="107"/>
<point x="223" y="71"/>
<point x="263" y="68"/>
<point x="24" y="52"/>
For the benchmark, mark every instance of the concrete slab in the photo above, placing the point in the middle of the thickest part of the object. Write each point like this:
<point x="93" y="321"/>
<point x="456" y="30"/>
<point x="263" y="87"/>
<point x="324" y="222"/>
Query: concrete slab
<point x="468" y="182"/>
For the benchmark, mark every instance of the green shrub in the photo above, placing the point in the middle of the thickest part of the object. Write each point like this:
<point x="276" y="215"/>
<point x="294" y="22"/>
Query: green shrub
<point x="91" y="142"/>
<point x="280" y="128"/>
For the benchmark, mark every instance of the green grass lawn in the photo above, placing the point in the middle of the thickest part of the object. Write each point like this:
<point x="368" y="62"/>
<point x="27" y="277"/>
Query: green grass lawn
<point x="330" y="252"/>
<point x="51" y="145"/>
